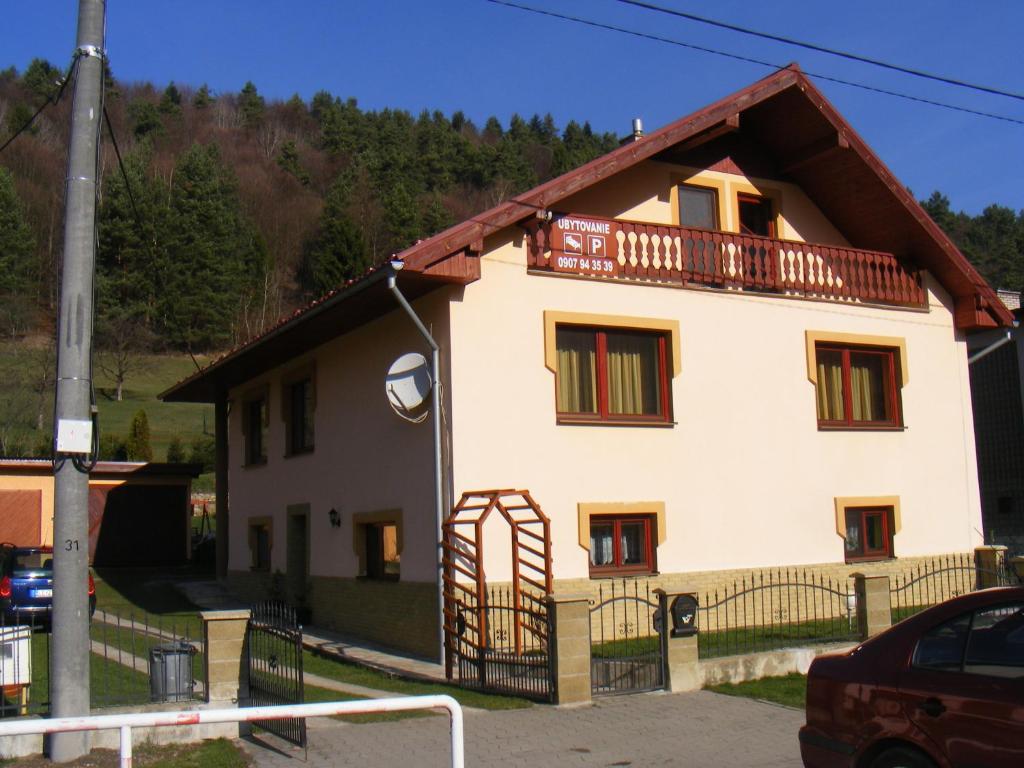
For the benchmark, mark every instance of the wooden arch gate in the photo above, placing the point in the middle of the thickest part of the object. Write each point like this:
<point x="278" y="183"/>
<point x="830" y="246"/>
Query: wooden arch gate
<point x="497" y="639"/>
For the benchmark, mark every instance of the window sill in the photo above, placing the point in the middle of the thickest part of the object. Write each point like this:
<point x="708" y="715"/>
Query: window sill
<point x="364" y="577"/>
<point x="303" y="452"/>
<point x="869" y="559"/>
<point x="593" y="422"/>
<point x="871" y="428"/>
<point x="619" y="573"/>
<point x="254" y="464"/>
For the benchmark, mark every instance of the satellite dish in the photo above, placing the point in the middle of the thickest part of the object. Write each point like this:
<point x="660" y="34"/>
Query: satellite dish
<point x="407" y="386"/>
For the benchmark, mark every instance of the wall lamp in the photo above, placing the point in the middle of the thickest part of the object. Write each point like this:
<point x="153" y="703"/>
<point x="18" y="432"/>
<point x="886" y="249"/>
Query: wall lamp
<point x="335" y="517"/>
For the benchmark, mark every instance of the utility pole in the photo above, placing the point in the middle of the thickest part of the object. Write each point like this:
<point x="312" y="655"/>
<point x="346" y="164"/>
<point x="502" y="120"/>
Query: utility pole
<point x="69" y="666"/>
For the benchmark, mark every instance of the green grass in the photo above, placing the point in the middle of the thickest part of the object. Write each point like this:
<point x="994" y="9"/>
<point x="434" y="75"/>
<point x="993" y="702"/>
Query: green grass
<point x="314" y="694"/>
<point x="325" y="666"/>
<point x="215" y="753"/>
<point x="790" y="690"/>
<point x="730" y="642"/>
<point x="151" y="375"/>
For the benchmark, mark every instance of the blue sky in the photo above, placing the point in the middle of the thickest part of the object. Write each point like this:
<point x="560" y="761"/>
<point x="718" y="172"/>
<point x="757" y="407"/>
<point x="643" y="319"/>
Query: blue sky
<point x="487" y="59"/>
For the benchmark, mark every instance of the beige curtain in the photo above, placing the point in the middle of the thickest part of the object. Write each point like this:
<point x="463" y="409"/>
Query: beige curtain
<point x="867" y="388"/>
<point x="633" y="383"/>
<point x="577" y="371"/>
<point x="830" y="386"/>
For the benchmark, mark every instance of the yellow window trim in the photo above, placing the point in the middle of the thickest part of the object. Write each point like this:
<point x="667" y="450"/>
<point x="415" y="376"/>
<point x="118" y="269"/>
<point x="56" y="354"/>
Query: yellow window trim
<point x="553" y="319"/>
<point x="699" y="180"/>
<point x="814" y="337"/>
<point x="848" y="502"/>
<point x="359" y="519"/>
<point x="586" y="510"/>
<point x="768" y="193"/>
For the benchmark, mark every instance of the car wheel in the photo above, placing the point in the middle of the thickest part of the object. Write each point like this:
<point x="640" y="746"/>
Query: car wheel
<point x="901" y="757"/>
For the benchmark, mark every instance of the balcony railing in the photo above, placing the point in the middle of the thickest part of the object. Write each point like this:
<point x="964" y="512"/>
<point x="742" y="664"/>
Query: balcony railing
<point x="627" y="250"/>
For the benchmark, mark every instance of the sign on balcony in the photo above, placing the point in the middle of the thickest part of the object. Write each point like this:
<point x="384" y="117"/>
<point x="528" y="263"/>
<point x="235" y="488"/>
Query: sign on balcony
<point x="583" y="246"/>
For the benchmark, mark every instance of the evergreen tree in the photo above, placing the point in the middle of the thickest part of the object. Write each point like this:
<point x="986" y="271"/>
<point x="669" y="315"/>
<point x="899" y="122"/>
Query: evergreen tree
<point x="202" y="98"/>
<point x="17" y="260"/>
<point x="145" y="119"/>
<point x="251" y="106"/>
<point x="215" y="258"/>
<point x="175" y="450"/>
<point x="42" y="78"/>
<point x="337" y="252"/>
<point x="138" y="446"/>
<point x="170" y="102"/>
<point x="288" y="160"/>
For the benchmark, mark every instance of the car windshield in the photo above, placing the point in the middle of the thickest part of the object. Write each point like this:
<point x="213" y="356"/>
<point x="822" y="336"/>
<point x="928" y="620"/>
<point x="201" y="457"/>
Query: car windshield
<point x="24" y="563"/>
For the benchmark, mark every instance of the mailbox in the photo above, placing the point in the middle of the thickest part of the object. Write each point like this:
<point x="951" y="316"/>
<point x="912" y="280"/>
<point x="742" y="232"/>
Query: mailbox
<point x="684" y="616"/>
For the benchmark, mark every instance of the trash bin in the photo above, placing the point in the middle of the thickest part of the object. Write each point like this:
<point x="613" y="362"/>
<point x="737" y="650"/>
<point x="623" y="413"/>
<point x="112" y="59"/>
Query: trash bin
<point x="170" y="672"/>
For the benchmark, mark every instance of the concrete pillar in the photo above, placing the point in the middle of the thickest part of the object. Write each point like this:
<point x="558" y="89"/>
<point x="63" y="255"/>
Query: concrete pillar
<point x="682" y="670"/>
<point x="224" y="634"/>
<point x="989" y="565"/>
<point x="874" y="612"/>
<point x="570" y="647"/>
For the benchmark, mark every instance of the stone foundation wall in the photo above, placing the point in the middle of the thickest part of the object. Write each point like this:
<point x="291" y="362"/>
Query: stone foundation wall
<point x="399" y="614"/>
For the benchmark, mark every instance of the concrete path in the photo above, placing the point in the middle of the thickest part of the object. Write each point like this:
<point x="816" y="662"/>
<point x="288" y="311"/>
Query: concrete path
<point x="693" y="729"/>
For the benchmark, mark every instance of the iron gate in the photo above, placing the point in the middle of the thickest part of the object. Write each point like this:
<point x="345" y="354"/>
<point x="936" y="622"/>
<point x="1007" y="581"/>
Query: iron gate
<point x="627" y="643"/>
<point x="273" y="654"/>
<point x="502" y="647"/>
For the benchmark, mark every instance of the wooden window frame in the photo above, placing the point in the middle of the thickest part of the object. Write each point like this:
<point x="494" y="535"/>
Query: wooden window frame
<point x="255" y="435"/>
<point x="650" y="565"/>
<point x="716" y="225"/>
<point x="603" y="414"/>
<point x="761" y="201"/>
<point x="254" y="524"/>
<point x="893" y="358"/>
<point x="363" y="520"/>
<point x="887" y="516"/>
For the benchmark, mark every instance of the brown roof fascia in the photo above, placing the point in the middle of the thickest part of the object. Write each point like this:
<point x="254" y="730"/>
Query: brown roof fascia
<point x="963" y="281"/>
<point x="969" y="288"/>
<point x="722" y="112"/>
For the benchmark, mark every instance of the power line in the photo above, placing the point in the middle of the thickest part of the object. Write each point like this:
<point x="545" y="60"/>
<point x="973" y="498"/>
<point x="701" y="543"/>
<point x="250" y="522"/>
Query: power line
<point x="750" y="60"/>
<point x="823" y="49"/>
<point x="51" y="99"/>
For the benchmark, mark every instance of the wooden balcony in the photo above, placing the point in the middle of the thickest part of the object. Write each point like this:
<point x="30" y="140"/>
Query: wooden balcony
<point x="627" y="250"/>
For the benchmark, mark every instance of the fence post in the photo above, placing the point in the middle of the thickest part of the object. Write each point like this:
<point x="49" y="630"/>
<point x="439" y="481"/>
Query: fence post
<point x="570" y="630"/>
<point x="682" y="670"/>
<point x="874" y="611"/>
<point x="224" y="637"/>
<point x="989" y="562"/>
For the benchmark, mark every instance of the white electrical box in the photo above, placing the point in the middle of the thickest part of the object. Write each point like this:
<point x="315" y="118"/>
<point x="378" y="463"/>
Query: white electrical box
<point x="15" y="655"/>
<point x="74" y="436"/>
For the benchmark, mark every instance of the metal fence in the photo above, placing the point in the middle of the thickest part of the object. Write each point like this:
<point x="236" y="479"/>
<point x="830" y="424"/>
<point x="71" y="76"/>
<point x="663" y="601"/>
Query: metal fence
<point x="769" y="610"/>
<point x="626" y="645"/>
<point x="134" y="659"/>
<point x="941" y="578"/>
<point x="502" y="648"/>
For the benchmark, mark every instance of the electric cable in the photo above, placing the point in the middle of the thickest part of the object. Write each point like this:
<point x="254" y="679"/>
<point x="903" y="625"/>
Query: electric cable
<point x="823" y="49"/>
<point x="52" y="99"/>
<point x="750" y="60"/>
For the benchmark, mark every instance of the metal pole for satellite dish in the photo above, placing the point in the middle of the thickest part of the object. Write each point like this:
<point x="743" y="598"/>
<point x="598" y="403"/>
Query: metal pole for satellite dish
<point x="435" y="372"/>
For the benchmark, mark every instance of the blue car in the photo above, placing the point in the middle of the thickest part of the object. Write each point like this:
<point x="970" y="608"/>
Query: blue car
<point x="26" y="585"/>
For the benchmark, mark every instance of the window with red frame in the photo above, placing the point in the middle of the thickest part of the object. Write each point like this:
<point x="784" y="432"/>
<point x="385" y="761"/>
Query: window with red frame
<point x="611" y="374"/>
<point x="756" y="216"/>
<point x="857" y="387"/>
<point x="621" y="545"/>
<point x="868" y="533"/>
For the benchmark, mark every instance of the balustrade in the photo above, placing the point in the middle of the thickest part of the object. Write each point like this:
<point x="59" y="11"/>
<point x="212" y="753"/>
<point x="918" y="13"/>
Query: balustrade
<point x="626" y="250"/>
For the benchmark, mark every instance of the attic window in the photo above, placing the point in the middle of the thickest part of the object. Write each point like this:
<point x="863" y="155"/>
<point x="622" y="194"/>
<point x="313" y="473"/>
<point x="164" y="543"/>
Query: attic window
<point x="698" y="207"/>
<point x="756" y="216"/>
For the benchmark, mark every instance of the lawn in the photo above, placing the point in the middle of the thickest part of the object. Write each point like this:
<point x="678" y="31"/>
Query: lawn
<point x="215" y="753"/>
<point x="790" y="691"/>
<point x="335" y="669"/>
<point x="23" y="364"/>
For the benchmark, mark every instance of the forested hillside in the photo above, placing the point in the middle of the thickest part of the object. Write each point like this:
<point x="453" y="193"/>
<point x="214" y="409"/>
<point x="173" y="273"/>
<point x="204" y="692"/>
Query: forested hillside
<point x="237" y="210"/>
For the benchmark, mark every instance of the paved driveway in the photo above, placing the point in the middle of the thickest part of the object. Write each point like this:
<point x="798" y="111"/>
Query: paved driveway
<point x="692" y="729"/>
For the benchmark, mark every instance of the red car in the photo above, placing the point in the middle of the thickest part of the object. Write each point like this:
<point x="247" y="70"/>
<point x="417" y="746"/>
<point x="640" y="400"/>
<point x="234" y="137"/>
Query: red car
<point x="941" y="689"/>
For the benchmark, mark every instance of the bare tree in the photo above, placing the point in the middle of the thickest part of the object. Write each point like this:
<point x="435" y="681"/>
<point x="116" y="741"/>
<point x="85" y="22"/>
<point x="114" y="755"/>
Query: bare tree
<point x="120" y="342"/>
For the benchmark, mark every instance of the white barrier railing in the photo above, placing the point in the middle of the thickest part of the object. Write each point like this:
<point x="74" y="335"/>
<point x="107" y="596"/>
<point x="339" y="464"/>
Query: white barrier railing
<point x="126" y="722"/>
